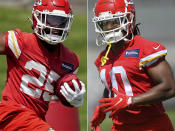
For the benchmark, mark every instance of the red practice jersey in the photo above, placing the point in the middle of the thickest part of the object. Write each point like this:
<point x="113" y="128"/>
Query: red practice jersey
<point x="126" y="71"/>
<point x="33" y="70"/>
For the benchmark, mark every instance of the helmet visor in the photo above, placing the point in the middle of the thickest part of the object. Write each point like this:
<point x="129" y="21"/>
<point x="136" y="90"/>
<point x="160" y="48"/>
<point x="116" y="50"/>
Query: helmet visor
<point x="110" y="24"/>
<point x="55" y="21"/>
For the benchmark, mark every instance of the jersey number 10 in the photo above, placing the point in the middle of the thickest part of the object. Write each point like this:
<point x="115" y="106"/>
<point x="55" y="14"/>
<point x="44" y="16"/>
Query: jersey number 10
<point x="117" y="70"/>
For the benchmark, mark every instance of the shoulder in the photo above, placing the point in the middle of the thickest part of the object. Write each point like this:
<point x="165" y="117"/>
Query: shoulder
<point x="16" y="41"/>
<point x="147" y="45"/>
<point x="97" y="62"/>
<point x="13" y="43"/>
<point x="25" y="36"/>
<point x="19" y="36"/>
<point x="67" y="52"/>
<point x="150" y="51"/>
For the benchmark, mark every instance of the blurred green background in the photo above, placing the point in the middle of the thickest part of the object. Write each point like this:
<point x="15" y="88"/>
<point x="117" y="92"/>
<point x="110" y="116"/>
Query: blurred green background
<point x="77" y="41"/>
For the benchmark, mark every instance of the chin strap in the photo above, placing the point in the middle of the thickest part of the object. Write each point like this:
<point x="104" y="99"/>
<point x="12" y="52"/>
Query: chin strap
<point x="105" y="58"/>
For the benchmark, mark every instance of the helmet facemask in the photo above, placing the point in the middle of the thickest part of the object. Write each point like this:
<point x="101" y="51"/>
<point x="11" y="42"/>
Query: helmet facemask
<point x="52" y="27"/>
<point x="113" y="27"/>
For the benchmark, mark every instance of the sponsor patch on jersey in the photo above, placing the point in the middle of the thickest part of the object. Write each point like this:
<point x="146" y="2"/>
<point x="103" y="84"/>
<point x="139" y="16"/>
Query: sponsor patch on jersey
<point x="67" y="67"/>
<point x="132" y="53"/>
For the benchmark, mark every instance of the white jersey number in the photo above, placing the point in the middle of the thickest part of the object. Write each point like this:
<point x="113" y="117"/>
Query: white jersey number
<point x="117" y="70"/>
<point x="39" y="82"/>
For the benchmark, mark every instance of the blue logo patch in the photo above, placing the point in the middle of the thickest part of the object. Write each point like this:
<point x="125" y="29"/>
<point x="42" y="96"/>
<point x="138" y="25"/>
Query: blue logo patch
<point x="132" y="53"/>
<point x="67" y="67"/>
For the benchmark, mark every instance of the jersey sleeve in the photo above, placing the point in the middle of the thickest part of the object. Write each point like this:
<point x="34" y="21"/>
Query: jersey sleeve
<point x="13" y="43"/>
<point x="152" y="54"/>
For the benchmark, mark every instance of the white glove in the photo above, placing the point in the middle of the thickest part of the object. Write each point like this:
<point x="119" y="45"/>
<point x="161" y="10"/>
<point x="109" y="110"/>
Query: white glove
<point x="75" y="98"/>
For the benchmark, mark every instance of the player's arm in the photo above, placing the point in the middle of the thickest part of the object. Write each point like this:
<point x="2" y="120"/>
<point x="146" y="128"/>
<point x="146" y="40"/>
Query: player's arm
<point x="164" y="87"/>
<point x="2" y="43"/>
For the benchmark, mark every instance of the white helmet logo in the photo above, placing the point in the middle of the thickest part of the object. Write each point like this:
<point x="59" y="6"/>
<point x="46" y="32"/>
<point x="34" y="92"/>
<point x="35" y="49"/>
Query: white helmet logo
<point x="129" y="2"/>
<point x="38" y="3"/>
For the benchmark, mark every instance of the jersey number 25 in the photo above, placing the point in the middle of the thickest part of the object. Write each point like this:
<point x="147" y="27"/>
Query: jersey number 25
<point x="39" y="82"/>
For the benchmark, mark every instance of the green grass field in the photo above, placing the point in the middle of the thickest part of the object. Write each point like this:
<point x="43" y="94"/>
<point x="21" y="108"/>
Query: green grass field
<point x="77" y="41"/>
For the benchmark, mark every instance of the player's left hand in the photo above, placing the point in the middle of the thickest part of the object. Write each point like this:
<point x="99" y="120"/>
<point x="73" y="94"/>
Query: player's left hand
<point x="75" y="98"/>
<point x="97" y="128"/>
<point x="97" y="119"/>
<point x="121" y="101"/>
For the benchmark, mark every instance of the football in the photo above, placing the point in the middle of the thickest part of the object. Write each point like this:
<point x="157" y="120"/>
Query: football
<point x="66" y="78"/>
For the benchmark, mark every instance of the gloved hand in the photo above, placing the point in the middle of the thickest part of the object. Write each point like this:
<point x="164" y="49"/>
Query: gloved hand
<point x="97" y="119"/>
<point x="121" y="101"/>
<point x="75" y="98"/>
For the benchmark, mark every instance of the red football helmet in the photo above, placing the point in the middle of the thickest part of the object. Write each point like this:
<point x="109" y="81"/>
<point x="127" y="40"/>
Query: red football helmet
<point x="114" y="20"/>
<point x="52" y="20"/>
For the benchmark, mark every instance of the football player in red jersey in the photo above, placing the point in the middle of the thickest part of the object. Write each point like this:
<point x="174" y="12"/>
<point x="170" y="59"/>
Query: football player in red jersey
<point x="134" y="70"/>
<point x="35" y="62"/>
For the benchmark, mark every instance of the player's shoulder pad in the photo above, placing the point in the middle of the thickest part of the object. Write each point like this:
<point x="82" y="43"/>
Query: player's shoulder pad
<point x="27" y="38"/>
<point x="17" y="33"/>
<point x="13" y="42"/>
<point x="24" y="37"/>
<point x="151" y="52"/>
<point x="67" y="53"/>
<point x="148" y="46"/>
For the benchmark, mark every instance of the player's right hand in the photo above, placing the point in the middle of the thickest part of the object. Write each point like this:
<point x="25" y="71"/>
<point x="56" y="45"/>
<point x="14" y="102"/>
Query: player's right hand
<point x="121" y="101"/>
<point x="97" y="119"/>
<point x="75" y="98"/>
